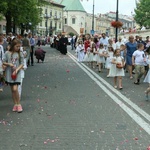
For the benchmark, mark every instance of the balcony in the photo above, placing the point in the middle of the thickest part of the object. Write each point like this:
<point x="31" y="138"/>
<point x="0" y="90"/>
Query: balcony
<point x="56" y="17"/>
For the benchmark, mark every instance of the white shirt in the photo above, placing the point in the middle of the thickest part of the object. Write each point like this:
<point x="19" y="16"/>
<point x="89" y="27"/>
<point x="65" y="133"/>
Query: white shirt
<point x="118" y="44"/>
<point x="139" y="57"/>
<point x="1" y="54"/>
<point x="104" y="41"/>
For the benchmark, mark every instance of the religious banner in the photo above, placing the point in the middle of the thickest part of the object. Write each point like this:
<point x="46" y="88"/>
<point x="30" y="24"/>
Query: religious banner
<point x="81" y="30"/>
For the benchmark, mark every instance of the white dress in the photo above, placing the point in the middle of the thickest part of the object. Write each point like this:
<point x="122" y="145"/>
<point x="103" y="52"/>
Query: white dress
<point x="100" y="59"/>
<point x="94" y="55"/>
<point x="114" y="71"/>
<point x="86" y="57"/>
<point x="147" y="78"/>
<point x="108" y="60"/>
<point x="80" y="52"/>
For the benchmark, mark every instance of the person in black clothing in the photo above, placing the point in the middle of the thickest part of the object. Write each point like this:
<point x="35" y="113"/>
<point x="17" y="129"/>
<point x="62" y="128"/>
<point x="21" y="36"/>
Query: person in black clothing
<point x="141" y="41"/>
<point x="63" y="44"/>
<point x="32" y="44"/>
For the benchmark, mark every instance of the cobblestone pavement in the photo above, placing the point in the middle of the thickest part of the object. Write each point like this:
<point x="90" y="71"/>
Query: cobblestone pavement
<point x="65" y="110"/>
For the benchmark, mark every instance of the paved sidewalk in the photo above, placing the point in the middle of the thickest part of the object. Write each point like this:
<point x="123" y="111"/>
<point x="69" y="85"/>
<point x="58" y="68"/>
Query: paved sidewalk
<point x="65" y="110"/>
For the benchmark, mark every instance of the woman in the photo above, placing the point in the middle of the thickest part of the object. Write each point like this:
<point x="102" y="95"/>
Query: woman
<point x="131" y="46"/>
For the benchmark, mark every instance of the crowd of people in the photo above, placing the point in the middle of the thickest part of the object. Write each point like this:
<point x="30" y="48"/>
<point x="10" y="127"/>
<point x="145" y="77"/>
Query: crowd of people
<point x="130" y="55"/>
<point x="126" y="55"/>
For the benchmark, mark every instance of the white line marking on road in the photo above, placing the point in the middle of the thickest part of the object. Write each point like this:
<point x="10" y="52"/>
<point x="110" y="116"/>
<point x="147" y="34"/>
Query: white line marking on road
<point x="125" y="99"/>
<point x="130" y="112"/>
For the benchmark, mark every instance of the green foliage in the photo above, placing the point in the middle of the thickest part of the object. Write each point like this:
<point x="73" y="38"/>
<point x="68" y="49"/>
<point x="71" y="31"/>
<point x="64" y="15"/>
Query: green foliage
<point x="21" y="12"/>
<point x="71" y="34"/>
<point x="142" y="13"/>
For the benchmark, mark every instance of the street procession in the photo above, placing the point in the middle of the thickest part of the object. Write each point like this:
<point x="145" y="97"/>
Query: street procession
<point x="74" y="75"/>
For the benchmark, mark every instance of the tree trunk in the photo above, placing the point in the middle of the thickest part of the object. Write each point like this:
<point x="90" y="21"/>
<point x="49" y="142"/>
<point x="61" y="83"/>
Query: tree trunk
<point x="8" y="22"/>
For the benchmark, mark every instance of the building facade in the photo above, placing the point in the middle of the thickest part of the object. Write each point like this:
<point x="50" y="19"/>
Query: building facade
<point x="3" y="26"/>
<point x="51" y="19"/>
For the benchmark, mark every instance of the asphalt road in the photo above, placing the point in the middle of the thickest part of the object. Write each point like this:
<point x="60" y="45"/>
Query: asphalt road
<point x="69" y="106"/>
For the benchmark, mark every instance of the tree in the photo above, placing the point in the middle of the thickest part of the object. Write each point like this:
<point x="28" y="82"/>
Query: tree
<point x="142" y="13"/>
<point x="21" y="13"/>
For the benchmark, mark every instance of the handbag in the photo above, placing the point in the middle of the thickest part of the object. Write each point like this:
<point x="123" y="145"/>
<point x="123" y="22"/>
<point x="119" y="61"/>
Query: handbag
<point x="14" y="76"/>
<point x="119" y="66"/>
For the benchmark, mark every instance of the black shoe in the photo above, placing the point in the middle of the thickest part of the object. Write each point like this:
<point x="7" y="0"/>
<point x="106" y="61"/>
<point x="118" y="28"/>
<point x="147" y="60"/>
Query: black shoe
<point x="120" y="88"/>
<point x="138" y="80"/>
<point x="136" y="83"/>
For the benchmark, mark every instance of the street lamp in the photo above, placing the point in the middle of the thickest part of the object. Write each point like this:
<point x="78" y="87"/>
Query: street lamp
<point x="93" y="18"/>
<point x="116" y="36"/>
<point x="46" y="18"/>
<point x="92" y="31"/>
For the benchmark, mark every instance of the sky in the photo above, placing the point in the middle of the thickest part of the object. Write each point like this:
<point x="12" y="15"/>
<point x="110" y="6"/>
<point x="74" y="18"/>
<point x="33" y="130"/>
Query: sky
<point x="103" y="6"/>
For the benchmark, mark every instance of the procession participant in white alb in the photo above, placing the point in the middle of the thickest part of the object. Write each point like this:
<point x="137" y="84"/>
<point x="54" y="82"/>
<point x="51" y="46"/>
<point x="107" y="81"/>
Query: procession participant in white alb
<point x="80" y="51"/>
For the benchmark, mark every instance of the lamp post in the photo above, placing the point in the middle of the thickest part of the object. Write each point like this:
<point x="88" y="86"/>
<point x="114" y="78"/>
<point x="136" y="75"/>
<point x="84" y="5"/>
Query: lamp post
<point x="46" y="20"/>
<point x="93" y="17"/>
<point x="116" y="35"/>
<point x="92" y="31"/>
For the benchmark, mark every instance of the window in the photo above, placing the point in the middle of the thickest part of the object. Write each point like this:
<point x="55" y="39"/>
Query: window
<point x="59" y="25"/>
<point x="73" y="20"/>
<point x="55" y="13"/>
<point x="60" y="14"/>
<point x="56" y="25"/>
<point x="51" y="23"/>
<point x="46" y="11"/>
<point x="65" y="20"/>
<point x="51" y="13"/>
<point x="41" y="23"/>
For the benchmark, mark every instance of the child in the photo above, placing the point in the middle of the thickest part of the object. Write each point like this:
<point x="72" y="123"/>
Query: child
<point x="138" y="60"/>
<point x="116" y="72"/>
<point x="24" y="53"/>
<point x="80" y="51"/>
<point x="1" y="65"/>
<point x="109" y="56"/>
<point x="86" y="57"/>
<point x="147" y="79"/>
<point x="101" y="58"/>
<point x="14" y="62"/>
<point x="91" y="54"/>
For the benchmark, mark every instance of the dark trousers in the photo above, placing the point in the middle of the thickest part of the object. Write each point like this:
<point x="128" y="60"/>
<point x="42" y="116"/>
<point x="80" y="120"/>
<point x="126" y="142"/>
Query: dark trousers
<point x="31" y="56"/>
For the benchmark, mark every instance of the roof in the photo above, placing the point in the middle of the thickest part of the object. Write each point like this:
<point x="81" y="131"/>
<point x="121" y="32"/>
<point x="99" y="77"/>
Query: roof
<point x="71" y="5"/>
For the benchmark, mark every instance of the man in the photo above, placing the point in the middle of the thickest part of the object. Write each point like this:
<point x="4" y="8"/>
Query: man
<point x="104" y="40"/>
<point x="119" y="43"/>
<point x="26" y="46"/>
<point x="32" y="44"/>
<point x="63" y="45"/>
<point x="141" y="41"/>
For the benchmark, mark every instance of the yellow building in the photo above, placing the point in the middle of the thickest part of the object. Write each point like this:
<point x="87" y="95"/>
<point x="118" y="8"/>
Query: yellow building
<point x="103" y="25"/>
<point x="51" y="19"/>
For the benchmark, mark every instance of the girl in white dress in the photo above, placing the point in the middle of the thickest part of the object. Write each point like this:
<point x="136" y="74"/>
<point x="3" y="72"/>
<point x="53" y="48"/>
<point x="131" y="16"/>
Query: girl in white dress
<point x="109" y="55"/>
<point x="80" y="51"/>
<point x="86" y="57"/>
<point x="95" y="53"/>
<point x="117" y="72"/>
<point x="101" y="57"/>
<point x="24" y="53"/>
<point x="147" y="79"/>
<point x="91" y="55"/>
